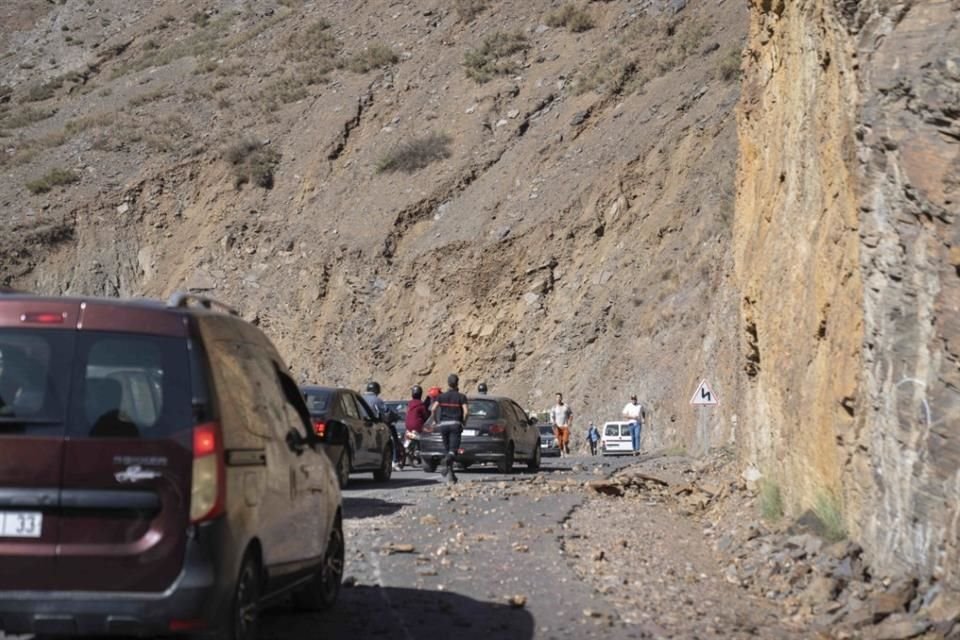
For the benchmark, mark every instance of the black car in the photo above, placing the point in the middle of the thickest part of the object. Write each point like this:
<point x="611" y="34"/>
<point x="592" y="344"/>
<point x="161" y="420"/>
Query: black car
<point x="497" y="430"/>
<point x="548" y="441"/>
<point x="348" y="432"/>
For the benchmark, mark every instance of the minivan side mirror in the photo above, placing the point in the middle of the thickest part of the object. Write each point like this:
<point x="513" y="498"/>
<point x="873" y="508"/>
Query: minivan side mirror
<point x="295" y="441"/>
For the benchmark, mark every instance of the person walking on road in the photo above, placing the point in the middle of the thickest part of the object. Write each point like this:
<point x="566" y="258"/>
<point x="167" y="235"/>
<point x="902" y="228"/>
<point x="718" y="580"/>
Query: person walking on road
<point x="561" y="416"/>
<point x="593" y="437"/>
<point x="449" y="413"/>
<point x="634" y="412"/>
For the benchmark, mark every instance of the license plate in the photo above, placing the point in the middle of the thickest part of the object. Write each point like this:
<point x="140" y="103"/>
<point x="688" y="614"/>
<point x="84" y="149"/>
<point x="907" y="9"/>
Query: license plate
<point x="469" y="432"/>
<point x="20" y="524"/>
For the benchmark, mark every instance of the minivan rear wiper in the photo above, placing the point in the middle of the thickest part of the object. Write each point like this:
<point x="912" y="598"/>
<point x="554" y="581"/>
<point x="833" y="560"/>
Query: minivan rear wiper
<point x="15" y="421"/>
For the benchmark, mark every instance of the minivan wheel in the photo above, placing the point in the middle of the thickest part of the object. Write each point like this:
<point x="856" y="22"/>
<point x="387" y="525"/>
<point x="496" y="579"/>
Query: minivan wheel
<point x="322" y="591"/>
<point x="243" y="617"/>
<point x="386" y="466"/>
<point x="343" y="468"/>
<point x="533" y="464"/>
<point x="505" y="464"/>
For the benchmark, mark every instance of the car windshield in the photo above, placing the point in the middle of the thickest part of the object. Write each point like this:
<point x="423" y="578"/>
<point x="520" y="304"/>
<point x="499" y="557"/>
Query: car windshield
<point x="318" y="400"/>
<point x="484" y="409"/>
<point x="611" y="430"/>
<point x="546" y="429"/>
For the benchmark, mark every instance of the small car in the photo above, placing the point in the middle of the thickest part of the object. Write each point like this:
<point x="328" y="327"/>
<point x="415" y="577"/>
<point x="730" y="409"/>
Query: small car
<point x="352" y="438"/>
<point x="548" y="441"/>
<point x="498" y="430"/>
<point x="615" y="438"/>
<point x="157" y="459"/>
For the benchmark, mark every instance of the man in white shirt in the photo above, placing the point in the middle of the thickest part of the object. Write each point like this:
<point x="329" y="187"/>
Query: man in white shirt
<point x="633" y="411"/>
<point x="560" y="416"/>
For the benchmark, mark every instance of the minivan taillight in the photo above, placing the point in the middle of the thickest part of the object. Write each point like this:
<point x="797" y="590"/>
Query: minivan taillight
<point x="498" y="430"/>
<point x="208" y="486"/>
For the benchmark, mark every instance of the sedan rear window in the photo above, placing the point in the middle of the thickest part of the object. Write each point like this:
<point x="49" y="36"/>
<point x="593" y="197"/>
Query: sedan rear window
<point x="484" y="409"/>
<point x="611" y="430"/>
<point x="318" y="401"/>
<point x="546" y="430"/>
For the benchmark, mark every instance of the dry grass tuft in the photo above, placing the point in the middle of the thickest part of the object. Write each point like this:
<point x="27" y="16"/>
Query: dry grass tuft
<point x="574" y="18"/>
<point x="491" y="59"/>
<point x="416" y="154"/>
<point x="252" y="161"/>
<point x="375" y="56"/>
<point x="54" y="178"/>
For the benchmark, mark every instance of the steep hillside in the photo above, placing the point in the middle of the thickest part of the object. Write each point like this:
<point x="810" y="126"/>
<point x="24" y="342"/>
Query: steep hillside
<point x="534" y="194"/>
<point x="850" y="141"/>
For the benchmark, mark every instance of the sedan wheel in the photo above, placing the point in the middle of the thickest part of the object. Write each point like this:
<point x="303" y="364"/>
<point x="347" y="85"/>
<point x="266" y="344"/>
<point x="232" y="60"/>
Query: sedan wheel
<point x="505" y="465"/>
<point x="386" y="466"/>
<point x="534" y="462"/>
<point x="343" y="468"/>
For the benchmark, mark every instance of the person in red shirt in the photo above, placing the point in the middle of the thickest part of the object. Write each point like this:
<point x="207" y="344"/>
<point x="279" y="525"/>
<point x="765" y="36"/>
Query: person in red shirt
<point x="417" y="412"/>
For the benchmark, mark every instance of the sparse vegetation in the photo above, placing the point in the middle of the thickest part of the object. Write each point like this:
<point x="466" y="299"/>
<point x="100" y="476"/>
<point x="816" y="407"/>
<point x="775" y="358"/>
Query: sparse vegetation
<point x="150" y="96"/>
<point x="574" y="18"/>
<point x="771" y="501"/>
<point x="490" y="59"/>
<point x="24" y="117"/>
<point x="316" y="43"/>
<point x="827" y="507"/>
<point x="54" y="178"/>
<point x="294" y="87"/>
<point x="728" y="67"/>
<point x="651" y="46"/>
<point x="79" y="125"/>
<point x="252" y="161"/>
<point x="373" y="57"/>
<point x="469" y="9"/>
<point x="416" y="154"/>
<point x="43" y="91"/>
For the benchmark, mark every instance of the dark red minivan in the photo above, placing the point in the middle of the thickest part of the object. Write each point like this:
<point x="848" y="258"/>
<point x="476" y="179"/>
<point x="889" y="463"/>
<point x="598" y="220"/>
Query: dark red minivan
<point x="157" y="472"/>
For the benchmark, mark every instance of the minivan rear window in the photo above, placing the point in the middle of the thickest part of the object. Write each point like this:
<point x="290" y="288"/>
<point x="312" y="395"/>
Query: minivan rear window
<point x="130" y="386"/>
<point x="34" y="381"/>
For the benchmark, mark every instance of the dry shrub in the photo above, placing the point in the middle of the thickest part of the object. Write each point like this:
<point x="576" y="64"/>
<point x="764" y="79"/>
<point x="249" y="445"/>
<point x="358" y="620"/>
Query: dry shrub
<point x="252" y="161"/>
<point x="54" y="178"/>
<point x="490" y="59"/>
<point x="24" y="117"/>
<point x="470" y="9"/>
<point x="572" y="17"/>
<point x="373" y="57"/>
<point x="416" y="154"/>
<point x="728" y="67"/>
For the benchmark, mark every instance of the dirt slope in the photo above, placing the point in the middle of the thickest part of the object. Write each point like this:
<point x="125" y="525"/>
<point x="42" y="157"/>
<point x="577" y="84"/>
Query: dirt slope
<point x="571" y="230"/>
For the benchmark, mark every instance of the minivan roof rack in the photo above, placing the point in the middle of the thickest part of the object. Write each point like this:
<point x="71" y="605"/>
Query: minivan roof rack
<point x="182" y="299"/>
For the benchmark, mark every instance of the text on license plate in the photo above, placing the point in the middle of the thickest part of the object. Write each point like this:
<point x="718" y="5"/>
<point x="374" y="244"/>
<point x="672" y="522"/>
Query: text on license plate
<point x="20" y="524"/>
<point x="469" y="432"/>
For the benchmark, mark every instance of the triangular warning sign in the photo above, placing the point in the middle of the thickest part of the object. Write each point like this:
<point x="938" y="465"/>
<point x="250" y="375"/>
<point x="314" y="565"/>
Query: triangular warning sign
<point x="704" y="396"/>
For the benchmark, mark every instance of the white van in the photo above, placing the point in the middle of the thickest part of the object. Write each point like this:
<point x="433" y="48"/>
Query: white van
<point x="615" y="438"/>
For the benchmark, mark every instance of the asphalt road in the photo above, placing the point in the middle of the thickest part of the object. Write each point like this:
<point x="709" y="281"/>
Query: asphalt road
<point x="426" y="560"/>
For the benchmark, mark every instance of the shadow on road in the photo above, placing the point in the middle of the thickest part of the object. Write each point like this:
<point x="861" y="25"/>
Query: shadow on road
<point x="393" y="612"/>
<point x="357" y="508"/>
<point x="395" y="483"/>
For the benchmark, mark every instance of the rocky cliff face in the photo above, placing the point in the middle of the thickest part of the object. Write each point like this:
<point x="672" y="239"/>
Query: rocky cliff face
<point x="847" y="242"/>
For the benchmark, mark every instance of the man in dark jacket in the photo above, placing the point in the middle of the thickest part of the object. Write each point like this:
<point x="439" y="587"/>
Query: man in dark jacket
<point x="449" y="413"/>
